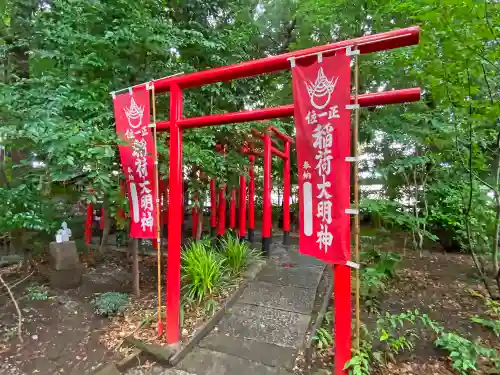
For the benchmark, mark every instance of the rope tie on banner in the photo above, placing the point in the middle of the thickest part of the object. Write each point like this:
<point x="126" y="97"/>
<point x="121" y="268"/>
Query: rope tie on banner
<point x="158" y="229"/>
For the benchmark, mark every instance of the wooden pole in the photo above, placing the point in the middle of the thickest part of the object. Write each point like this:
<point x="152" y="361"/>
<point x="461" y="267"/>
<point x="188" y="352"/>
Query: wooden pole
<point x="158" y="228"/>
<point x="356" y="198"/>
<point x="134" y="250"/>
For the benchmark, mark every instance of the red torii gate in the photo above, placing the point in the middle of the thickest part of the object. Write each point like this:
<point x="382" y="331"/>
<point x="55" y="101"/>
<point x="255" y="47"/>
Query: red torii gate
<point x="269" y="150"/>
<point x="176" y="124"/>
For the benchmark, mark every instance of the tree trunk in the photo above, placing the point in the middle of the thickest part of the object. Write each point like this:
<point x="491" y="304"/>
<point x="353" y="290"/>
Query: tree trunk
<point x="134" y="251"/>
<point x="496" y="266"/>
<point x="4" y="182"/>
<point x="105" y="231"/>
<point x="199" y="229"/>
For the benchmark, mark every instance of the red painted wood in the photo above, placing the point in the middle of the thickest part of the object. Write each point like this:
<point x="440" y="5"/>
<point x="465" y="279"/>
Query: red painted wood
<point x="251" y="194"/>
<point x="286" y="189"/>
<point x="365" y="100"/>
<point x="242" y="231"/>
<point x="366" y="44"/>
<point x="266" y="194"/>
<point x="175" y="218"/>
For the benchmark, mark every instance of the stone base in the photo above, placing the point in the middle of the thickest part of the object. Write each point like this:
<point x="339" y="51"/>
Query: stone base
<point x="266" y="246"/>
<point x="66" y="279"/>
<point x="286" y="238"/>
<point x="64" y="255"/>
<point x="251" y="235"/>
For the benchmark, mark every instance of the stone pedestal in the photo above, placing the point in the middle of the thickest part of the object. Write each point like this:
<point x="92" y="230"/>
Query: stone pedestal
<point x="64" y="255"/>
<point x="66" y="272"/>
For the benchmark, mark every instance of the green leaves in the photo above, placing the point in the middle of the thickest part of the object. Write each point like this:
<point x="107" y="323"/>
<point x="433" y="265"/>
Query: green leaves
<point x="464" y="354"/>
<point x="110" y="303"/>
<point x="323" y="338"/>
<point x="237" y="254"/>
<point x="203" y="270"/>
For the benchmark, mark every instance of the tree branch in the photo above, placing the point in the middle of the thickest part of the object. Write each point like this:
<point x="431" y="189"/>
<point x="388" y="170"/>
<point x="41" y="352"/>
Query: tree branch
<point x="288" y="36"/>
<point x="19" y="315"/>
<point x="475" y="258"/>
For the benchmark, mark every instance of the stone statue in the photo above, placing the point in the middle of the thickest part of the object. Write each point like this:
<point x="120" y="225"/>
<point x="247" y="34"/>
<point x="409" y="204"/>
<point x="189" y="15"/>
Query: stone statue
<point x="63" y="234"/>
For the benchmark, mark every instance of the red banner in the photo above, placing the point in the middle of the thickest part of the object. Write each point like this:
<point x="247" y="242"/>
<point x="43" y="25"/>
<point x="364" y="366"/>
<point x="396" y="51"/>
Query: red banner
<point x="132" y="126"/>
<point x="321" y="92"/>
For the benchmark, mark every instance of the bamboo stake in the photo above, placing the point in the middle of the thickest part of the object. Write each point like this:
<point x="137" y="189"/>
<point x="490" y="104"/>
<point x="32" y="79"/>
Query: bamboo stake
<point x="158" y="228"/>
<point x="356" y="198"/>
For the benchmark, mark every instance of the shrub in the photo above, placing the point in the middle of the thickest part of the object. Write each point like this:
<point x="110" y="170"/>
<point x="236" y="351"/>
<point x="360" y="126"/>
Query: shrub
<point x="203" y="270"/>
<point x="391" y="335"/>
<point x="380" y="268"/>
<point x="237" y="254"/>
<point x="394" y="334"/>
<point x="493" y="312"/>
<point x="324" y="337"/>
<point x="464" y="354"/>
<point x="36" y="293"/>
<point x="110" y="303"/>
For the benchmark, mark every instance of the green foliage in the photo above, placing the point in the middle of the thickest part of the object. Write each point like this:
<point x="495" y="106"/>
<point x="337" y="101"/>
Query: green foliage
<point x="359" y="364"/>
<point x="323" y="338"/>
<point x="493" y="312"/>
<point x="203" y="270"/>
<point x="394" y="334"/>
<point x="37" y="293"/>
<point x="379" y="268"/>
<point x="465" y="354"/>
<point x="110" y="303"/>
<point x="237" y="254"/>
<point x="81" y="245"/>
<point x="385" y="262"/>
<point x="210" y="307"/>
<point x="21" y="208"/>
<point x="493" y="325"/>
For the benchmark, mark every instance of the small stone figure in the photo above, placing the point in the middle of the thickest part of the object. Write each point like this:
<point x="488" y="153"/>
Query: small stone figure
<point x="63" y="234"/>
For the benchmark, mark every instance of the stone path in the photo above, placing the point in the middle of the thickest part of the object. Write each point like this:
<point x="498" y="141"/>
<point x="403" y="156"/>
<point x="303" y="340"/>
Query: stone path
<point x="263" y="331"/>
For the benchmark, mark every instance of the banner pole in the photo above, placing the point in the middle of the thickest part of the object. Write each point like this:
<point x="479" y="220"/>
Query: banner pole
<point x="158" y="229"/>
<point x="355" y="137"/>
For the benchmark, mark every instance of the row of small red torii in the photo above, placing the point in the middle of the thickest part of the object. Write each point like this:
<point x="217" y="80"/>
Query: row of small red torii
<point x="177" y="124"/>
<point x="218" y="205"/>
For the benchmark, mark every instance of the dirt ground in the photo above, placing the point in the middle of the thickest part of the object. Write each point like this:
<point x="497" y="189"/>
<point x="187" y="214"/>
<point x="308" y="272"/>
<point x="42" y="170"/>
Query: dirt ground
<point x="438" y="284"/>
<point x="62" y="334"/>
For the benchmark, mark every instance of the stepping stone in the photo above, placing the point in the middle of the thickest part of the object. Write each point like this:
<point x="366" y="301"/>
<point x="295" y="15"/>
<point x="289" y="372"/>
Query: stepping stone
<point x="257" y="351"/>
<point x="156" y="370"/>
<point x="273" y="326"/>
<point x="285" y="297"/>
<point x="109" y="369"/>
<point x="304" y="277"/>
<point x="283" y="255"/>
<point x="207" y="362"/>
